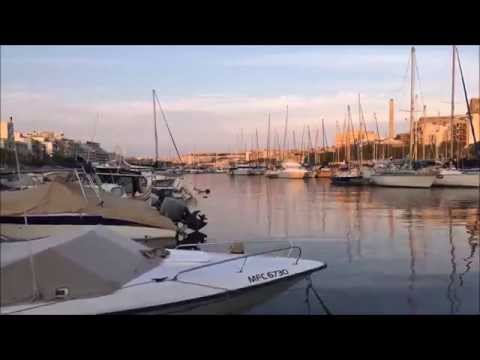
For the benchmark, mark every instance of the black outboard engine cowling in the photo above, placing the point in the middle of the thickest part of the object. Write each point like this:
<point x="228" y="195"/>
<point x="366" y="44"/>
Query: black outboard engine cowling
<point x="174" y="209"/>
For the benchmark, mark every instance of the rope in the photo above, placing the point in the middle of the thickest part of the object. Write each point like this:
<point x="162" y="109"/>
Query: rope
<point x="419" y="84"/>
<point x="168" y="128"/>
<point x="310" y="287"/>
<point x="405" y="78"/>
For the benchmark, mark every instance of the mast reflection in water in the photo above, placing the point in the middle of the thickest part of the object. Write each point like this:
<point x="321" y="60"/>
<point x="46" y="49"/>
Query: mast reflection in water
<point x="382" y="245"/>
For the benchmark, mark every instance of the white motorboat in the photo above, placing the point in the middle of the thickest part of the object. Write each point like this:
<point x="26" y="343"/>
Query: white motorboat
<point x="403" y="178"/>
<point x="292" y="170"/>
<point x="457" y="178"/>
<point x="100" y="272"/>
<point x="56" y="208"/>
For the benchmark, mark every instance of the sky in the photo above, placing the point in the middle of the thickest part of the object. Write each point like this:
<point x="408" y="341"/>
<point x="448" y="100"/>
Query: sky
<point x="211" y="94"/>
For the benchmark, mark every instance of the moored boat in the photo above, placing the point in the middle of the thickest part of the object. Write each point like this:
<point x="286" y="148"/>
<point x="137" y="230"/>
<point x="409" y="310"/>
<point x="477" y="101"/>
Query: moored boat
<point x="348" y="177"/>
<point x="403" y="178"/>
<point x="241" y="169"/>
<point x="62" y="275"/>
<point x="324" y="172"/>
<point x="292" y="170"/>
<point x="457" y="178"/>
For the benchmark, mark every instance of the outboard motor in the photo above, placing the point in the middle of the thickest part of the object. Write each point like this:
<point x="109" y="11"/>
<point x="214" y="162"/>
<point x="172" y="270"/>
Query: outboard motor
<point x="194" y="220"/>
<point x="193" y="238"/>
<point x="174" y="209"/>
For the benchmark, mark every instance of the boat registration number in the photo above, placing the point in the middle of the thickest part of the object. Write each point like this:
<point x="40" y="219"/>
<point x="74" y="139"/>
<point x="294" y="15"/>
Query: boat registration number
<point x="267" y="276"/>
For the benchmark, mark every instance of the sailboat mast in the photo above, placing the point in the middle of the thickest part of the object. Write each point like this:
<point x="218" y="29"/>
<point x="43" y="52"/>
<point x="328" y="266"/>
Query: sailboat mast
<point x="302" y="144"/>
<point x="360" y="137"/>
<point x="348" y="134"/>
<point x="323" y="135"/>
<point x="336" y="147"/>
<point x="309" y="145"/>
<point x="268" y="140"/>
<point x="285" y="134"/>
<point x="258" y="152"/>
<point x="155" y="127"/>
<point x="378" y="133"/>
<point x="412" y="101"/>
<point x="243" y="148"/>
<point x="469" y="113"/>
<point x="452" y="103"/>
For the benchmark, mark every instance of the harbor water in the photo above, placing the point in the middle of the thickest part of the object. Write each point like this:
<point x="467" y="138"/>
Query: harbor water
<point x="388" y="250"/>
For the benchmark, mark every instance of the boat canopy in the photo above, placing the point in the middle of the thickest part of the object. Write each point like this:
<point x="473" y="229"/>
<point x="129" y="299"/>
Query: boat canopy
<point x="93" y="263"/>
<point x="59" y="197"/>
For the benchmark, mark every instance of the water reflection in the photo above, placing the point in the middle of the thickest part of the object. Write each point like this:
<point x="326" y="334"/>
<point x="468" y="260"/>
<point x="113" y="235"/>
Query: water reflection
<point x="411" y="278"/>
<point x="362" y="233"/>
<point x="473" y="241"/>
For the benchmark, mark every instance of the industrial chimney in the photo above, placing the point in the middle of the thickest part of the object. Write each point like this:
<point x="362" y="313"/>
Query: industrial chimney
<point x="391" y="119"/>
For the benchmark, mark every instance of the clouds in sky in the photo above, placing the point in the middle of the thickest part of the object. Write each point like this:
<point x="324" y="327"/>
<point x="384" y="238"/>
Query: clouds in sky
<point x="236" y="89"/>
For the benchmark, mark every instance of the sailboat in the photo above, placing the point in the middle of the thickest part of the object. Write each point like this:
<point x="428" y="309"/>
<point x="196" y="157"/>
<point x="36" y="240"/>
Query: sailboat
<point x="452" y="176"/>
<point x="348" y="175"/>
<point x="257" y="169"/>
<point x="406" y="177"/>
<point x="324" y="171"/>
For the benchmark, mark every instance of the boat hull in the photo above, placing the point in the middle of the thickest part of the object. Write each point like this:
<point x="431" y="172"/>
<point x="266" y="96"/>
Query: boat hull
<point x="349" y="180"/>
<point x="457" y="180"/>
<point x="258" y="172"/>
<point x="234" y="302"/>
<point x="291" y="174"/>
<point x="271" y="174"/>
<point x="324" y="174"/>
<point x="410" y="181"/>
<point x="242" y="172"/>
<point x="187" y="295"/>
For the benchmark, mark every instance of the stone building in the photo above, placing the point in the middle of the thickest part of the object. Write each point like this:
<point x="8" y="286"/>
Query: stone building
<point x="351" y="137"/>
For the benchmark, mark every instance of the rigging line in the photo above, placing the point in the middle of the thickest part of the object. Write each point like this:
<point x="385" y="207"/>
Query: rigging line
<point x="419" y="83"/>
<point x="168" y="128"/>
<point x="405" y="77"/>
<point x="469" y="113"/>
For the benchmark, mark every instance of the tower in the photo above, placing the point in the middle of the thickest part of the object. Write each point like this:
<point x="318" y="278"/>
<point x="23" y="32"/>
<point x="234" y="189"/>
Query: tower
<point x="391" y="119"/>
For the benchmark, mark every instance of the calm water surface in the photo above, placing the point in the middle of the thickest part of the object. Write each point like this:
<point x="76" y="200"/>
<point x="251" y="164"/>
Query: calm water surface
<point x="389" y="251"/>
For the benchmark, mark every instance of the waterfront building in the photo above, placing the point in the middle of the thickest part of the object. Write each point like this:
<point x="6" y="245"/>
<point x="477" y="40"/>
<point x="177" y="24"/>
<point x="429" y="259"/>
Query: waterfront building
<point x="92" y="151"/>
<point x="66" y="148"/>
<point x="475" y="110"/>
<point x="6" y="134"/>
<point x="351" y="137"/>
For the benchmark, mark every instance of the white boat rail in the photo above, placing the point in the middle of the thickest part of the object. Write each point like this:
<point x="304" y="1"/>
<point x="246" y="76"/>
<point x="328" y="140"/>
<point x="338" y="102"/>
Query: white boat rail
<point x="245" y="257"/>
<point x="230" y="243"/>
